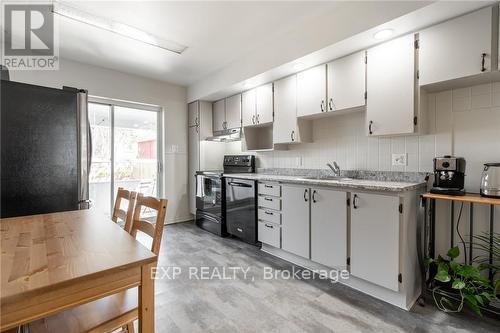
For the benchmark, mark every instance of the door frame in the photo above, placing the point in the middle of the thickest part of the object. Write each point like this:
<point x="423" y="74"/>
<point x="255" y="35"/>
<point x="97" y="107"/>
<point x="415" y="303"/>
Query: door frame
<point x="159" y="136"/>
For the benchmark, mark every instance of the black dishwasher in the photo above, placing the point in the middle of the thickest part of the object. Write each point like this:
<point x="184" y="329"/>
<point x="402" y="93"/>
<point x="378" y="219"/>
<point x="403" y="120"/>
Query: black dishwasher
<point x="241" y="208"/>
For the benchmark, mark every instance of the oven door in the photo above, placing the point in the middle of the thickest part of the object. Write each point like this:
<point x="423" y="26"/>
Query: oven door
<point x="240" y="209"/>
<point x="209" y="194"/>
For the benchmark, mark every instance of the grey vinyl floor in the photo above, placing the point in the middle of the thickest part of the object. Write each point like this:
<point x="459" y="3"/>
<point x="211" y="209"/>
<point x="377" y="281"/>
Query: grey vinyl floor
<point x="187" y="300"/>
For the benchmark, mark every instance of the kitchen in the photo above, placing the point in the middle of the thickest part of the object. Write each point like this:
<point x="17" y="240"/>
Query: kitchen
<point x="286" y="174"/>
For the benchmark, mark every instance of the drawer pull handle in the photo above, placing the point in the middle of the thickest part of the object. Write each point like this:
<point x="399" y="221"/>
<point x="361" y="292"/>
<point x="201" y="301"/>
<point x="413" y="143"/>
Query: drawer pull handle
<point x="268" y="186"/>
<point x="268" y="213"/>
<point x="354" y="201"/>
<point x="269" y="226"/>
<point x="268" y="199"/>
<point x="239" y="229"/>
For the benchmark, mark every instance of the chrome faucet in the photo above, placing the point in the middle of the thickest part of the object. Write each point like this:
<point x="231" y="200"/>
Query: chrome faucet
<point x="335" y="168"/>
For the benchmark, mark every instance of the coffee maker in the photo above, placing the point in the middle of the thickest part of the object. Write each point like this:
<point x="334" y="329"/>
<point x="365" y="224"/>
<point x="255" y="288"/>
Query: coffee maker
<point x="449" y="175"/>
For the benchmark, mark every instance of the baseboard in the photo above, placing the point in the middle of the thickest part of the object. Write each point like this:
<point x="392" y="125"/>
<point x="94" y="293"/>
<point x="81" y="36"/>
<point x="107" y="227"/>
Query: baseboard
<point x="180" y="219"/>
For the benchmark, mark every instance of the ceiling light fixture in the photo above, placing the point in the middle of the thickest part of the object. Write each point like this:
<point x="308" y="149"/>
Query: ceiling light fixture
<point x="116" y="27"/>
<point x="383" y="34"/>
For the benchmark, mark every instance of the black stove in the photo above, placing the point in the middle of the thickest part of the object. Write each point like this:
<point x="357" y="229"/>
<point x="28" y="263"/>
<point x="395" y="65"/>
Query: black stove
<point x="211" y="194"/>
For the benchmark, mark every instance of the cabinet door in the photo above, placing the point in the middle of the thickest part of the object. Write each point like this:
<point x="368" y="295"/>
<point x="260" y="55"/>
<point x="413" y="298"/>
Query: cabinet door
<point x="295" y="220"/>
<point x="265" y="104"/>
<point x="193" y="164"/>
<point x="205" y="120"/>
<point x="219" y="115"/>
<point x="248" y="108"/>
<point x="375" y="239"/>
<point x="329" y="227"/>
<point x="454" y="48"/>
<point x="233" y="111"/>
<point x="390" y="87"/>
<point x="285" y="110"/>
<point x="311" y="91"/>
<point x="347" y="82"/>
<point x="193" y="113"/>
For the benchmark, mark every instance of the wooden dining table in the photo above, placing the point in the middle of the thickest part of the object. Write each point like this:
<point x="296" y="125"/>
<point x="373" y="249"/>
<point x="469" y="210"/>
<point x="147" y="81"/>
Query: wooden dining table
<point x="52" y="262"/>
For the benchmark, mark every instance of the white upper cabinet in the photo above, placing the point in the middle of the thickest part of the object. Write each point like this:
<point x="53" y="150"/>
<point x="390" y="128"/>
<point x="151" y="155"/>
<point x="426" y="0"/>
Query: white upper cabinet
<point x="257" y="106"/>
<point x="248" y="107"/>
<point x="264" y="110"/>
<point x="219" y="115"/>
<point x="390" y="108"/>
<point x="347" y="82"/>
<point x="233" y="112"/>
<point x="455" y="48"/>
<point x="311" y="91"/>
<point x="193" y="114"/>
<point x="375" y="238"/>
<point x="285" y="110"/>
<point x="329" y="227"/>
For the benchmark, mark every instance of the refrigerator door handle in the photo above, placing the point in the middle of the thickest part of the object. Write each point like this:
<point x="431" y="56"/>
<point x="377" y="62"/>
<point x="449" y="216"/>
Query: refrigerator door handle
<point x="84" y="149"/>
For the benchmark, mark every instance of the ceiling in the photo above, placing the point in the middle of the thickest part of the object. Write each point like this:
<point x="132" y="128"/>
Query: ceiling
<point x="228" y="41"/>
<point x="216" y="33"/>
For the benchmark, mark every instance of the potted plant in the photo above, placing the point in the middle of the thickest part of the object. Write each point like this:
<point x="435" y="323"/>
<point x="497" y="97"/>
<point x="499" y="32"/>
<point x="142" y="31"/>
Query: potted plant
<point x="457" y="284"/>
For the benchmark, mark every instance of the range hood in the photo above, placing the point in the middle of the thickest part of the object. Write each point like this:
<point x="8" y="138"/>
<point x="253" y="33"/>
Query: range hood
<point x="227" y="135"/>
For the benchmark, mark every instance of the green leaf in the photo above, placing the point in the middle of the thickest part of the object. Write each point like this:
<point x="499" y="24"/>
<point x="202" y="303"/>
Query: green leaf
<point x="453" y="252"/>
<point x="455" y="266"/>
<point x="472" y="304"/>
<point x="469" y="271"/>
<point x="428" y="261"/>
<point x="442" y="273"/>
<point x="479" y="300"/>
<point x="458" y="284"/>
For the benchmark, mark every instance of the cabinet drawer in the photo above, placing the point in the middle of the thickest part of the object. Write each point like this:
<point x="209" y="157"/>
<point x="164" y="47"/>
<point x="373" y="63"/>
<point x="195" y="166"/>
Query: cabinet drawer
<point x="269" y="216"/>
<point x="270" y="233"/>
<point x="270" y="202"/>
<point x="270" y="189"/>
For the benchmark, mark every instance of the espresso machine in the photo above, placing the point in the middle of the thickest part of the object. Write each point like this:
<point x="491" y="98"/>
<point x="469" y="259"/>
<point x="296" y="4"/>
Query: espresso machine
<point x="449" y="175"/>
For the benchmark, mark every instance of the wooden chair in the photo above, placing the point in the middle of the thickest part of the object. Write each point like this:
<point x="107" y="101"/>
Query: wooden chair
<point x="118" y="213"/>
<point x="118" y="310"/>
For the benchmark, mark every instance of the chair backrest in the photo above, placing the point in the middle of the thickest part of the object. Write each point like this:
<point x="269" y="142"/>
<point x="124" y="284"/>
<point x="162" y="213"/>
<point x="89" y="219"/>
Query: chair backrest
<point x="119" y="213"/>
<point x="153" y="229"/>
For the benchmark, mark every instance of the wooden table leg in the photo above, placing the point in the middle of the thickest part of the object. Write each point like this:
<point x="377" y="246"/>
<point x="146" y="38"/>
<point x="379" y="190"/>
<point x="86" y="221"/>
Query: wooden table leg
<point x="147" y="301"/>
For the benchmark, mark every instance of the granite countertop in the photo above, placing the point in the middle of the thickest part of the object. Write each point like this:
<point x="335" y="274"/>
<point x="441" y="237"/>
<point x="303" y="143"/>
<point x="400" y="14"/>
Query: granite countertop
<point x="362" y="184"/>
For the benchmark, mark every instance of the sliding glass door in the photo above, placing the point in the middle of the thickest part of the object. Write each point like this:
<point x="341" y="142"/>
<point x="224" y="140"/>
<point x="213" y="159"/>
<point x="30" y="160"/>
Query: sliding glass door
<point x="125" y="151"/>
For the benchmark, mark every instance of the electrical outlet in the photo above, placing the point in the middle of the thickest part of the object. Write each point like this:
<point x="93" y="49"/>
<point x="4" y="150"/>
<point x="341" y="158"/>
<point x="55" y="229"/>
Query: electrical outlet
<point x="399" y="159"/>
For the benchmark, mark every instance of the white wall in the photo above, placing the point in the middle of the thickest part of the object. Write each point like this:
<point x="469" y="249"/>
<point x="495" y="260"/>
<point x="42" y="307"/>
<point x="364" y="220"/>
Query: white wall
<point x="463" y="122"/>
<point x="112" y="84"/>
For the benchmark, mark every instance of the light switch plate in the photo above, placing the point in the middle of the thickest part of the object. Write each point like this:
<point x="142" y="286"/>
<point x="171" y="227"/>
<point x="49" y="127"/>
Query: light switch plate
<point x="399" y="159"/>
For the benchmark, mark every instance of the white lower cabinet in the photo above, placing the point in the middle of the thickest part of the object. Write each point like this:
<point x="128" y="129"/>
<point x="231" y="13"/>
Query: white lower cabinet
<point x="375" y="238"/>
<point x="269" y="233"/>
<point x="329" y="227"/>
<point x="295" y="220"/>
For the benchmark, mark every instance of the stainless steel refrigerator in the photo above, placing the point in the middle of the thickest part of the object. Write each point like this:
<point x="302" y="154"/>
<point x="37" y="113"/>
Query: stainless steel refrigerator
<point x="45" y="149"/>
